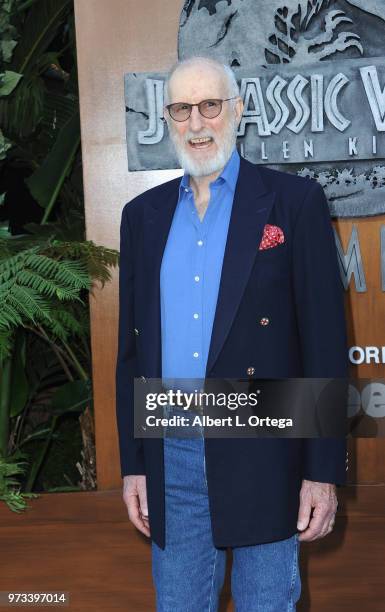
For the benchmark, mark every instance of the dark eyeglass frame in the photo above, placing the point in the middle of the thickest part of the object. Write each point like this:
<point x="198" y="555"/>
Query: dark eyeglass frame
<point x="198" y="104"/>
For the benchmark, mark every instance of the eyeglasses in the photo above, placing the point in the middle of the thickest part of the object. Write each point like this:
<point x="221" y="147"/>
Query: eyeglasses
<point x="180" y="111"/>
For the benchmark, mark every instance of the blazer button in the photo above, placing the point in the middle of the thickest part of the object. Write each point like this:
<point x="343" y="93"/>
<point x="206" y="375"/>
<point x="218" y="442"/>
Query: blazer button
<point x="264" y="321"/>
<point x="136" y="331"/>
<point x="250" y="371"/>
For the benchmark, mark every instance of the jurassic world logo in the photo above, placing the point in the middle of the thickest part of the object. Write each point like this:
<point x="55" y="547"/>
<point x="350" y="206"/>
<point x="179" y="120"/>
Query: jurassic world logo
<point x="312" y="78"/>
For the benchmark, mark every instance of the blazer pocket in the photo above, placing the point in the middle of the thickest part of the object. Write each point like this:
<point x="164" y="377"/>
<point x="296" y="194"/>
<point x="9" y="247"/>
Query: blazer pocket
<point x="276" y="251"/>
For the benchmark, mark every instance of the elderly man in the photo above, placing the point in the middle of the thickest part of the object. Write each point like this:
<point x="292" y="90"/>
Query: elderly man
<point x="230" y="271"/>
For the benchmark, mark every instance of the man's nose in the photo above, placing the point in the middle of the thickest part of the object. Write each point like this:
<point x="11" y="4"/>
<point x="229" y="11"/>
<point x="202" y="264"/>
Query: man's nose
<point x="195" y="120"/>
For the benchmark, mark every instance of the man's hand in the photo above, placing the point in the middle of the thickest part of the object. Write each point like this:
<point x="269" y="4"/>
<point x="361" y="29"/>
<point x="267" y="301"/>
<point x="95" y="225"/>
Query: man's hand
<point x="322" y="497"/>
<point x="135" y="498"/>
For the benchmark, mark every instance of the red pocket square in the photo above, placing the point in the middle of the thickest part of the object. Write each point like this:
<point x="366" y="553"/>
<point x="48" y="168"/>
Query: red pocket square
<point x="272" y="236"/>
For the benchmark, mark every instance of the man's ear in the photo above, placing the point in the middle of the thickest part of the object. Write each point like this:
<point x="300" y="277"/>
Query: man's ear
<point x="239" y="109"/>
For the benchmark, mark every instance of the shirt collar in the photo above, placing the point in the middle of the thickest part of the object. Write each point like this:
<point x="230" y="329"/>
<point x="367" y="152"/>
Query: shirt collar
<point x="229" y="173"/>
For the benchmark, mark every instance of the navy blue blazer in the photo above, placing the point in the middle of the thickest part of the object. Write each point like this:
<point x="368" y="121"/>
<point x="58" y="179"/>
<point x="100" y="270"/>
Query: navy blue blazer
<point x="253" y="484"/>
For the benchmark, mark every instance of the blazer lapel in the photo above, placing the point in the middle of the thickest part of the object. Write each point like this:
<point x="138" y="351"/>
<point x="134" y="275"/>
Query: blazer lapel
<point x="251" y="207"/>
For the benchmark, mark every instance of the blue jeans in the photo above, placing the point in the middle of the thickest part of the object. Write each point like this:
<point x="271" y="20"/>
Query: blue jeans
<point x="189" y="573"/>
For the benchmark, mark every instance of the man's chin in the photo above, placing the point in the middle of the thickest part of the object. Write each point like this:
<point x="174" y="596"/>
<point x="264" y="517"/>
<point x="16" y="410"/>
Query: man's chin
<point x="204" y="168"/>
<point x="200" y="165"/>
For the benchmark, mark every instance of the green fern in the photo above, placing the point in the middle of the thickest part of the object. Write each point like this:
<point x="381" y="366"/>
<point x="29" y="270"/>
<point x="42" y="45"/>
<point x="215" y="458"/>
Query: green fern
<point x="97" y="259"/>
<point x="9" y="486"/>
<point x="35" y="281"/>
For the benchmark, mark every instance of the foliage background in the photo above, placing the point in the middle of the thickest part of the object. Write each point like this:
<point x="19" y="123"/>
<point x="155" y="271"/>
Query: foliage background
<point x="47" y="267"/>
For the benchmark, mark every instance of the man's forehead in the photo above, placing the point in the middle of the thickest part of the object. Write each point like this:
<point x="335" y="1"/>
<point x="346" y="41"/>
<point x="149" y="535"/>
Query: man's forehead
<point x="197" y="81"/>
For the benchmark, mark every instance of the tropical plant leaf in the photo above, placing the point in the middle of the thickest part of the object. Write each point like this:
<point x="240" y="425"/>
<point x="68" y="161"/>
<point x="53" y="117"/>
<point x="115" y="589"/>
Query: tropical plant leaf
<point x="58" y="109"/>
<point x="21" y="111"/>
<point x="71" y="397"/>
<point x="8" y="82"/>
<point x="39" y="433"/>
<point x="6" y="341"/>
<point x="19" y="387"/>
<point x="98" y="259"/>
<point x="45" y="183"/>
<point x="7" y="47"/>
<point x="8" y="32"/>
<point x="69" y="321"/>
<point x="39" y="30"/>
<point x="32" y="285"/>
<point x="9" y="486"/>
<point x="5" y="145"/>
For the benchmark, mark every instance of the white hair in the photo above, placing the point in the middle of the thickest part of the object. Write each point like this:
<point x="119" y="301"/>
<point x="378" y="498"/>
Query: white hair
<point x="225" y="71"/>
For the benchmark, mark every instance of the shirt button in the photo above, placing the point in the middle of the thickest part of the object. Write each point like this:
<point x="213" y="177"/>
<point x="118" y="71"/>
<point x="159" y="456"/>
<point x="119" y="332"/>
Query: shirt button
<point x="196" y="278"/>
<point x="196" y="354"/>
<point x="200" y="242"/>
<point x="186" y="188"/>
<point x="196" y="315"/>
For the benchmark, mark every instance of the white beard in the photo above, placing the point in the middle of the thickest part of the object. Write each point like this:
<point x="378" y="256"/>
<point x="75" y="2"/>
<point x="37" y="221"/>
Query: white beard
<point x="205" y="167"/>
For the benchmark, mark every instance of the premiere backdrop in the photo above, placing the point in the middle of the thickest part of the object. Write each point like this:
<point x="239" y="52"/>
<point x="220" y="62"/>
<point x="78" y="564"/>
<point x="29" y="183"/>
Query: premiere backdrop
<point x="312" y="76"/>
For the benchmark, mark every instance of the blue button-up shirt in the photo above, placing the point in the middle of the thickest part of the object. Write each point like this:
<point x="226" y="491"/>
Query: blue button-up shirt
<point x="190" y="275"/>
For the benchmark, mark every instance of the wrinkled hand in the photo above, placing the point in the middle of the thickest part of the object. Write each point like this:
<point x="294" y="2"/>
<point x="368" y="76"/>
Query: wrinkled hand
<point x="322" y="497"/>
<point x="135" y="498"/>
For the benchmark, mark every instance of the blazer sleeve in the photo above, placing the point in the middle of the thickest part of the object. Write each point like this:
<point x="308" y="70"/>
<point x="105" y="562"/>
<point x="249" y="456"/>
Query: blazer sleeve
<point x="131" y="449"/>
<point x="321" y="323"/>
